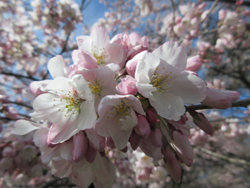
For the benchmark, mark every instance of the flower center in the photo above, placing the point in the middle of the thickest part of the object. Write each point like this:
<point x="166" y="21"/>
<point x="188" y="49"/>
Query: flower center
<point x="73" y="102"/>
<point x="159" y="81"/>
<point x="95" y="88"/>
<point x="120" y="110"/>
<point x="99" y="57"/>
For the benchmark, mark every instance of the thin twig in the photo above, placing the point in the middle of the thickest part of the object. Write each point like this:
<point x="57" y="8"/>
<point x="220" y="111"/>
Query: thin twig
<point x="19" y="76"/>
<point x="239" y="103"/>
<point x="224" y="157"/>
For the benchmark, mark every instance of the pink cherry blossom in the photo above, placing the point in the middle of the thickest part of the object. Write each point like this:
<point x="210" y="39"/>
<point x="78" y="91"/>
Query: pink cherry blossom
<point x="117" y="117"/>
<point x="68" y="105"/>
<point x="99" y="46"/>
<point x="161" y="78"/>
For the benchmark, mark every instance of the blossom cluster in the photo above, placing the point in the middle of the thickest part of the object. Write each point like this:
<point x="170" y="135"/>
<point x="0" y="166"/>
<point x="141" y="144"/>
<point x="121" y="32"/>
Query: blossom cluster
<point x="117" y="94"/>
<point x="20" y="162"/>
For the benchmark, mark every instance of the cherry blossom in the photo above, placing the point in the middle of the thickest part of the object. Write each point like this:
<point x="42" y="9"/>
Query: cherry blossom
<point x="161" y="76"/>
<point x="118" y="117"/>
<point x="68" y="105"/>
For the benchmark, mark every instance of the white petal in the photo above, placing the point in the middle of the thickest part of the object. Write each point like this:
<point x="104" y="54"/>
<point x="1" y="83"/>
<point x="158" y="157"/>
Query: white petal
<point x="56" y="67"/>
<point x="189" y="87"/>
<point x="129" y="122"/>
<point x="119" y="136"/>
<point x="23" y="127"/>
<point x="145" y="69"/>
<point x="44" y="107"/>
<point x="168" y="105"/>
<point x="100" y="39"/>
<point x="82" y="87"/>
<point x="59" y="85"/>
<point x="85" y="43"/>
<point x="59" y="133"/>
<point x="145" y="89"/>
<point x="40" y="137"/>
<point x="87" y="116"/>
<point x="66" y="150"/>
<point x="173" y="54"/>
<point x="114" y="53"/>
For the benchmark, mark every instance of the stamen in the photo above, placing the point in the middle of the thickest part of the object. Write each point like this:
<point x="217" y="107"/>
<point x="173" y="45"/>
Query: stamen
<point x="95" y="88"/>
<point x="120" y="110"/>
<point x="159" y="81"/>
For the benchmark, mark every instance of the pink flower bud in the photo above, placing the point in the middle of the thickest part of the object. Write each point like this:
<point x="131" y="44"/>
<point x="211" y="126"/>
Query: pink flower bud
<point x="193" y="63"/>
<point x="233" y="95"/>
<point x="183" y="119"/>
<point x="201" y="121"/>
<point x="80" y="146"/>
<point x="150" y="150"/>
<point x="90" y="154"/>
<point x="155" y="137"/>
<point x="131" y="67"/>
<point x="219" y="99"/>
<point x="142" y="128"/>
<point x="151" y="117"/>
<point x="95" y="140"/>
<point x="134" y="140"/>
<point x="182" y="148"/>
<point x="136" y="50"/>
<point x="127" y="86"/>
<point x="171" y="163"/>
<point x="131" y="64"/>
<point x="110" y="143"/>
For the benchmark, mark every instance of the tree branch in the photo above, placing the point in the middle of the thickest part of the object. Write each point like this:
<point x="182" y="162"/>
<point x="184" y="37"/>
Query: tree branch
<point x="19" y="76"/>
<point x="239" y="103"/>
<point x="21" y="104"/>
<point x="223" y="157"/>
<point x="246" y="3"/>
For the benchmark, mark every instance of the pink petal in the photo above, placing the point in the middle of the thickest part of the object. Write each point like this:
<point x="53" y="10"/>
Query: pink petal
<point x="80" y="146"/>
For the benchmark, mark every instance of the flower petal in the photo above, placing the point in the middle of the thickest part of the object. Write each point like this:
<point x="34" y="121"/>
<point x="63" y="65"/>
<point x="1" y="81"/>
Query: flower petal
<point x="100" y="39"/>
<point x="56" y="67"/>
<point x="172" y="54"/>
<point x="168" y="105"/>
<point x="189" y="87"/>
<point x="23" y="127"/>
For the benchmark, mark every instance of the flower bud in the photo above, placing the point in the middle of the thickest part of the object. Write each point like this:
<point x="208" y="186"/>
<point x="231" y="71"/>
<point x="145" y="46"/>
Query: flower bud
<point x="172" y="165"/>
<point x="193" y="63"/>
<point x="134" y="140"/>
<point x="80" y="146"/>
<point x="142" y="128"/>
<point x="201" y="121"/>
<point x="127" y="86"/>
<point x="182" y="148"/>
<point x="219" y="99"/>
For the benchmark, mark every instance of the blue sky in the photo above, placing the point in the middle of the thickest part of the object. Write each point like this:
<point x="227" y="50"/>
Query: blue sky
<point x="93" y="12"/>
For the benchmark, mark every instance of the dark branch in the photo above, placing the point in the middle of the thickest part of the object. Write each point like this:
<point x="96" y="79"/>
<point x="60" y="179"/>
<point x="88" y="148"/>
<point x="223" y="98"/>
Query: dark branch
<point x="239" y="103"/>
<point x="245" y="3"/>
<point x="19" y="76"/>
